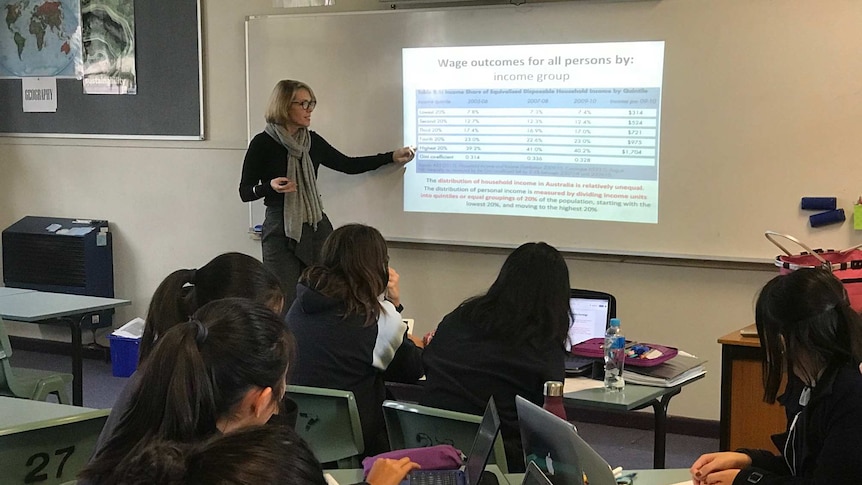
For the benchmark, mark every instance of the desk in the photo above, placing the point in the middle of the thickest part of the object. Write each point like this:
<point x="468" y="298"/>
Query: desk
<point x="746" y="421"/>
<point x="46" y="442"/>
<point x="633" y="398"/>
<point x="6" y="291"/>
<point x="37" y="306"/>
<point x="644" y="477"/>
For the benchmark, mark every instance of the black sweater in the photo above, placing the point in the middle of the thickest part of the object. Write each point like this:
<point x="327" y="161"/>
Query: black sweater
<point x="464" y="368"/>
<point x="266" y="159"/>
<point x="828" y="447"/>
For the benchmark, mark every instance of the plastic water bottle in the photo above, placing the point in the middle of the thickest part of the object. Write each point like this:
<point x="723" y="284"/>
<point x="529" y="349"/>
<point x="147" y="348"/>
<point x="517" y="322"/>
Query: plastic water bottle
<point x="553" y="391"/>
<point x="615" y="355"/>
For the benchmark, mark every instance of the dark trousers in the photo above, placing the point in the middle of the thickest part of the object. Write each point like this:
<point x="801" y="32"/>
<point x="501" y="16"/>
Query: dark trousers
<point x="285" y="257"/>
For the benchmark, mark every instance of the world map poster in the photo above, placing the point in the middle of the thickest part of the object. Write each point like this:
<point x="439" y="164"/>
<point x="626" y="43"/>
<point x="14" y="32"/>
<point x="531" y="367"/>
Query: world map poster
<point x="109" y="46"/>
<point x="40" y="38"/>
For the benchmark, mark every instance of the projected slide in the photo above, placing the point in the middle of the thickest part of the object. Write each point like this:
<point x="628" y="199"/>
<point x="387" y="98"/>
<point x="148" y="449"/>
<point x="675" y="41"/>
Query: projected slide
<point x="563" y="130"/>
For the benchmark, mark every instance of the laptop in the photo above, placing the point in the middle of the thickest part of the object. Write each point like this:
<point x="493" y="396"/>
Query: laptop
<point x="556" y="448"/>
<point x="477" y="460"/>
<point x="591" y="315"/>
<point x="535" y="476"/>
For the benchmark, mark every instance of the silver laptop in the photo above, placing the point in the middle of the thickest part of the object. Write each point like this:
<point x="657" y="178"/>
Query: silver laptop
<point x="590" y="319"/>
<point x="555" y="447"/>
<point x="477" y="460"/>
<point x="535" y="476"/>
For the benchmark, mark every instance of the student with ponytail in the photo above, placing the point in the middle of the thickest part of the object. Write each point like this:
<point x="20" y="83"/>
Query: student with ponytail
<point x="222" y="370"/>
<point x="185" y="290"/>
<point x="181" y="294"/>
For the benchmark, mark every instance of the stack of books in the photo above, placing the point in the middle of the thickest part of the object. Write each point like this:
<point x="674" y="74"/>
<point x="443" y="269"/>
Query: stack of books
<point x="672" y="373"/>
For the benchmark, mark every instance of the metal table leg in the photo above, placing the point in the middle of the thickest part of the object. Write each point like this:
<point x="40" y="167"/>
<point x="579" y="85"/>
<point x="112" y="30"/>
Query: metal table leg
<point x="660" y="445"/>
<point x="77" y="360"/>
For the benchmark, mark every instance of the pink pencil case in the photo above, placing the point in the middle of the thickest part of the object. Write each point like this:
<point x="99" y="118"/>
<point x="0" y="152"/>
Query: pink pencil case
<point x="437" y="457"/>
<point x="637" y="354"/>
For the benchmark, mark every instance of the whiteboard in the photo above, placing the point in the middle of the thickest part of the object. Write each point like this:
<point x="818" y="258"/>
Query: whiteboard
<point x="760" y="107"/>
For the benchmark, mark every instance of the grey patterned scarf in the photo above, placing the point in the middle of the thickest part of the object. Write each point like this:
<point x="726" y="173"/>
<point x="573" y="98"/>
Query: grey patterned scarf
<point x="304" y="205"/>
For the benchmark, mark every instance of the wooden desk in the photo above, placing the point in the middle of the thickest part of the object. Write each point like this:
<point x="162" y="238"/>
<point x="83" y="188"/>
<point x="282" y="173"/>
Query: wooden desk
<point x="46" y="443"/>
<point x="71" y="310"/>
<point x="746" y="421"/>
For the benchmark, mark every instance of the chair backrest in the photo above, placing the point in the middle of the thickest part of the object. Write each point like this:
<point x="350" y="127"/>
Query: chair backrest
<point x="50" y="450"/>
<point x="328" y="420"/>
<point x="413" y="426"/>
<point x="5" y="346"/>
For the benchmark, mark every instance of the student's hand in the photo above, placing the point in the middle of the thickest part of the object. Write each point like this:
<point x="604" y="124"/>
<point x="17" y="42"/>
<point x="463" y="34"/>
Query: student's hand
<point x="416" y="341"/>
<point x="386" y="471"/>
<point x="707" y="465"/>
<point x="724" y="477"/>
<point x="403" y="155"/>
<point x="428" y="336"/>
<point x="282" y="185"/>
<point x="393" y="291"/>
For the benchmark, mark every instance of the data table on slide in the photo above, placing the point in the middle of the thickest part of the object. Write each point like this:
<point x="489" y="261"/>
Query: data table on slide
<point x="573" y="132"/>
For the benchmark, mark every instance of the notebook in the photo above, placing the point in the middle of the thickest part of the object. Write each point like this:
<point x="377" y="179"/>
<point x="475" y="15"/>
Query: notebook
<point x="477" y="460"/>
<point x="557" y="449"/>
<point x="590" y="319"/>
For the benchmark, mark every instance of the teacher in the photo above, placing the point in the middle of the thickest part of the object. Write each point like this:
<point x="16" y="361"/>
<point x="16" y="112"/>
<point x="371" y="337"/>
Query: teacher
<point x="281" y="166"/>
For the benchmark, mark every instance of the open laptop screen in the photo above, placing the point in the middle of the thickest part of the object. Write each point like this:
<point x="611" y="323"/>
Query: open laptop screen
<point x="557" y="449"/>
<point x="483" y="444"/>
<point x="591" y="317"/>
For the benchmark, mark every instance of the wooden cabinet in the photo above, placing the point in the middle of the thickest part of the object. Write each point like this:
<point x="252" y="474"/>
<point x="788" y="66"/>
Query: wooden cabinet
<point x="746" y="421"/>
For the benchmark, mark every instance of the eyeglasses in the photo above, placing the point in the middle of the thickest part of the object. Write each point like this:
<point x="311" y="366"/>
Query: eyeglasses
<point x="306" y="105"/>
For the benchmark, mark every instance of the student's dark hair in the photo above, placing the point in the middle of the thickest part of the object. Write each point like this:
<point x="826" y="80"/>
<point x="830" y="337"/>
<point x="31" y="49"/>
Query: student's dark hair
<point x="198" y="372"/>
<point x="260" y="455"/>
<point x="185" y="290"/>
<point x="354" y="269"/>
<point x="805" y="324"/>
<point x="529" y="301"/>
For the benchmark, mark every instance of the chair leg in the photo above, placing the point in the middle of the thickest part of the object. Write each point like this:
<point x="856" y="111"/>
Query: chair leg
<point x="63" y="396"/>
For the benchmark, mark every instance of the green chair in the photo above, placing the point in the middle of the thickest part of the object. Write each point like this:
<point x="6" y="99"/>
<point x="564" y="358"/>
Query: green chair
<point x="29" y="383"/>
<point x="414" y="426"/>
<point x="328" y="420"/>
<point x="44" y="442"/>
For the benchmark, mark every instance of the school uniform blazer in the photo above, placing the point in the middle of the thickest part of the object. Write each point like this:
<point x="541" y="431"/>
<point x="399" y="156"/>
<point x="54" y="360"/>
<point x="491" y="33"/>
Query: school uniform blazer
<point x="342" y="353"/>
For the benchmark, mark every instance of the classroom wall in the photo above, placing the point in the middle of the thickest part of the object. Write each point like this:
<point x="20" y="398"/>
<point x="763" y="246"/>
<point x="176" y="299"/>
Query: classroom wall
<point x="175" y="204"/>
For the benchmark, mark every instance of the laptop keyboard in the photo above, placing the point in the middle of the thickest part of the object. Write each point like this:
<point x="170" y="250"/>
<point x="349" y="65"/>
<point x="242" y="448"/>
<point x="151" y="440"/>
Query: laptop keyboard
<point x="574" y="362"/>
<point x="443" y="477"/>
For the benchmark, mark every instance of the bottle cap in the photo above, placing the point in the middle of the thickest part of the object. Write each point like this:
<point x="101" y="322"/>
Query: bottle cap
<point x="615" y="322"/>
<point x="553" y="388"/>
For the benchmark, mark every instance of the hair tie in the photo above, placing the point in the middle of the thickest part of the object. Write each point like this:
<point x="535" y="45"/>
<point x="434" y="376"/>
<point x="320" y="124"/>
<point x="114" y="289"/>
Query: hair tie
<point x="193" y="273"/>
<point x="201" y="332"/>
